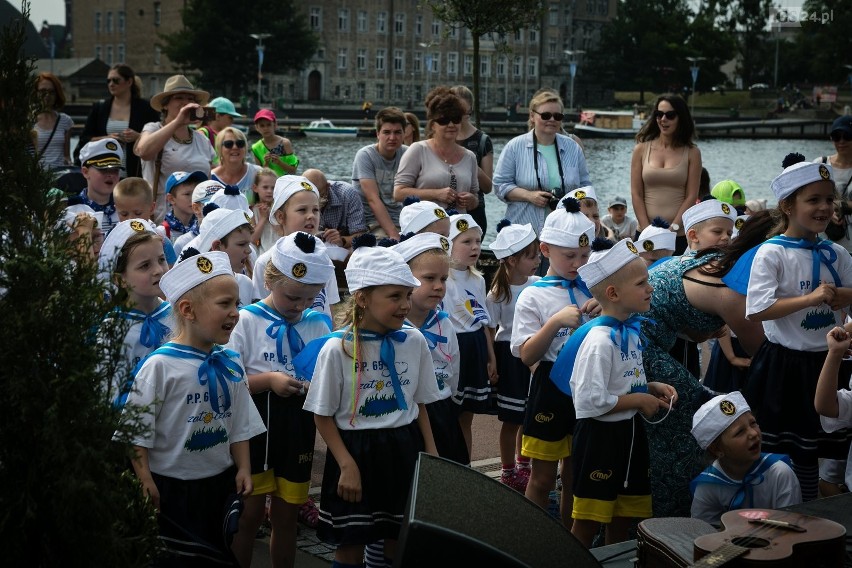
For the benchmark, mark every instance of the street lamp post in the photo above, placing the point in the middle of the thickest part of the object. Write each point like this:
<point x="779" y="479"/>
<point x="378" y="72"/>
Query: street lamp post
<point x="260" y="47"/>
<point x="694" y="70"/>
<point x="573" y="72"/>
<point x="427" y="61"/>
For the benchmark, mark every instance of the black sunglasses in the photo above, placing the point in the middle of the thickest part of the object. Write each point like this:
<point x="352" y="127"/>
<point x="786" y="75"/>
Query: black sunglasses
<point x="670" y="114"/>
<point x="548" y="115"/>
<point x="230" y="144"/>
<point x="445" y="120"/>
<point x="839" y="135"/>
<point x="114" y="80"/>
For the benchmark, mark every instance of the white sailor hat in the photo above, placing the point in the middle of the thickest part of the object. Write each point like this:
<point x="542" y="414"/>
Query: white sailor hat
<point x="798" y="175"/>
<point x="194" y="271"/>
<point x="218" y="224"/>
<point x="71" y="212"/>
<point x="230" y="197"/>
<point x="285" y="188"/>
<point x="604" y="263"/>
<point x="370" y="265"/>
<point x="585" y="192"/>
<point x="716" y="415"/>
<point x="420" y="243"/>
<point x="416" y="216"/>
<point x="302" y="257"/>
<point x="654" y="238"/>
<point x="461" y="223"/>
<point x="205" y="191"/>
<point x="738" y="225"/>
<point x="102" y="154"/>
<point x="709" y="209"/>
<point x="117" y="238"/>
<point x="511" y="239"/>
<point x="566" y="227"/>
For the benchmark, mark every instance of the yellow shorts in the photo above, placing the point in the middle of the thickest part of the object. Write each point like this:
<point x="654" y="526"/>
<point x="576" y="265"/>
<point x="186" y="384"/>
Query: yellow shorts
<point x="543" y="450"/>
<point x="266" y="483"/>
<point x="629" y="506"/>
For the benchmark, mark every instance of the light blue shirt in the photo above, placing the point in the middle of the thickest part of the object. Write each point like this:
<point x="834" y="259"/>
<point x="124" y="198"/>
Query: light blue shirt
<point x="516" y="169"/>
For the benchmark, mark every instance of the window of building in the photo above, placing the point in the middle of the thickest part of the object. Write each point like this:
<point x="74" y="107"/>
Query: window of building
<point x="397" y="92"/>
<point x="380" y="59"/>
<point x="158" y="14"/>
<point x="519" y="35"/>
<point x="532" y="67"/>
<point x="108" y="60"/>
<point x="362" y="59"/>
<point x="399" y="24"/>
<point x="315" y="18"/>
<point x="98" y="53"/>
<point x="363" y="25"/>
<point x="121" y="22"/>
<point x="434" y="63"/>
<point x="341" y="58"/>
<point x="321" y="53"/>
<point x="485" y="65"/>
<point x="398" y="60"/>
<point x="382" y="22"/>
<point x="343" y="20"/>
<point x="108" y="23"/>
<point x="380" y="91"/>
<point x="468" y="64"/>
<point x="121" y="54"/>
<point x="416" y="61"/>
<point x="418" y="93"/>
<point x="551" y="49"/>
<point x="553" y="15"/>
<point x="533" y="36"/>
<point x="501" y="66"/>
<point x="436" y="28"/>
<point x="454" y="32"/>
<point x="97" y="22"/>
<point x="418" y="25"/>
<point x="453" y="64"/>
<point x="158" y="52"/>
<point x="361" y="91"/>
<point x="518" y="66"/>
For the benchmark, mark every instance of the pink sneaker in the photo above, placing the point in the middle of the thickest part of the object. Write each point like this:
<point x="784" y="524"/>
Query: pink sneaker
<point x="510" y="479"/>
<point x="523" y="476"/>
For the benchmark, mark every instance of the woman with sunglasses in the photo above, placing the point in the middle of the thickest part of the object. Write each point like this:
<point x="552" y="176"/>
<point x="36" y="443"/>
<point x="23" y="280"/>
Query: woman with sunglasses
<point x="665" y="170"/>
<point x="169" y="145"/>
<point x="121" y="117"/>
<point x="233" y="169"/>
<point x="437" y="169"/>
<point x="841" y="165"/>
<point x="538" y="168"/>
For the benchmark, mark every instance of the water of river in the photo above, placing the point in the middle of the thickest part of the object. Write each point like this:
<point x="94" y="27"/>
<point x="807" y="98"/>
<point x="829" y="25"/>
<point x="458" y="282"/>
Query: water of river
<point x="751" y="163"/>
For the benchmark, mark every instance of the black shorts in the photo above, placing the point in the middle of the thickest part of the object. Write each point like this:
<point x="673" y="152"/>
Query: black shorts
<point x="608" y="456"/>
<point x="449" y="439"/>
<point x="473" y="393"/>
<point x="549" y="418"/>
<point x="513" y="386"/>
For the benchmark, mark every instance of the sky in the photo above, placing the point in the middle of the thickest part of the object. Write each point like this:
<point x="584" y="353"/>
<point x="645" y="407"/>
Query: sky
<point x="51" y="10"/>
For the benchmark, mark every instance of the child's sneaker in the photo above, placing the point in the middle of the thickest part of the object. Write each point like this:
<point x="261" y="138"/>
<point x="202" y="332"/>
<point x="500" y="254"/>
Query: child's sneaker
<point x="510" y="478"/>
<point x="523" y="476"/>
<point x="309" y="514"/>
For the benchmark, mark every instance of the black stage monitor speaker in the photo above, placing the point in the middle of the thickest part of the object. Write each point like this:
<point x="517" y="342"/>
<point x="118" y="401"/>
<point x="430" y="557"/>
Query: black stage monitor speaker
<point x="457" y="516"/>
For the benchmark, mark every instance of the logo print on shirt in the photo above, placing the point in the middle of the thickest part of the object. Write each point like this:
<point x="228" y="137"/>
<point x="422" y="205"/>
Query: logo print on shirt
<point x="818" y="319"/>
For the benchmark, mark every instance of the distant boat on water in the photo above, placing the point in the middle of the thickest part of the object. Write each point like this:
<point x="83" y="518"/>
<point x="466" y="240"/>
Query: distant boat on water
<point x="608" y="124"/>
<point x="325" y="128"/>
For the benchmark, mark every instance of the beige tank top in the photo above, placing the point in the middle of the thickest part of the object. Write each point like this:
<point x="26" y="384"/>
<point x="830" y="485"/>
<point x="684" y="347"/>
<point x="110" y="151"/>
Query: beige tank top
<point x="665" y="188"/>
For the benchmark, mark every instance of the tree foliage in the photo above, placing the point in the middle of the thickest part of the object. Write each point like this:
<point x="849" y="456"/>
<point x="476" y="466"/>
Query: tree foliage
<point x="824" y="42"/>
<point x="482" y="17"/>
<point x="65" y="496"/>
<point x="222" y="50"/>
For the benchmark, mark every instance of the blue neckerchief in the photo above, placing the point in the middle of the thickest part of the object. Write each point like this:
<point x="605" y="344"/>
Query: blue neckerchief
<point x="153" y="330"/>
<point x="177" y="225"/>
<point x="108" y="209"/>
<point x="620" y="334"/>
<point x="738" y="277"/>
<point x="744" y="496"/>
<point x="274" y="330"/>
<point x="551" y="281"/>
<point x="306" y="361"/>
<point x="432" y="319"/>
<point x="387" y="354"/>
<point x="217" y="368"/>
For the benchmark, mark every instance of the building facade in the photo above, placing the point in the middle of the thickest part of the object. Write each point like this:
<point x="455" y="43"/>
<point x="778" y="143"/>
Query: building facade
<point x="387" y="52"/>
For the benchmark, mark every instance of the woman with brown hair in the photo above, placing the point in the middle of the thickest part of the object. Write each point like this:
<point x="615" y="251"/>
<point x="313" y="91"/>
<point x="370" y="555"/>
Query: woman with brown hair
<point x="52" y="130"/>
<point x="438" y="169"/>
<point x="665" y="170"/>
<point x="122" y="116"/>
<point x="412" y="129"/>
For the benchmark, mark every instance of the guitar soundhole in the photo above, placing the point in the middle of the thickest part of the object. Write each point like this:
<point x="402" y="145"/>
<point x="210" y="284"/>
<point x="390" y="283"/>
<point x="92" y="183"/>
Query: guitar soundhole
<point x="750" y="542"/>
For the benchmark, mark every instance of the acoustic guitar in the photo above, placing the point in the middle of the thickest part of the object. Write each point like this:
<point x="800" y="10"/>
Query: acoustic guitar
<point x="750" y="537"/>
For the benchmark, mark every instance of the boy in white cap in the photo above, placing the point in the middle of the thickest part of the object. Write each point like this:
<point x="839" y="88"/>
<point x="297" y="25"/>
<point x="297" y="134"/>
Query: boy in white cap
<point x="589" y="207"/>
<point x="101" y="161"/>
<point x="230" y="232"/>
<point x="741" y="477"/>
<point x="601" y="368"/>
<point x="179" y="190"/>
<point x="708" y="224"/>
<point x="371" y="414"/>
<point x="656" y="242"/>
<point x="193" y="399"/>
<point x="201" y="196"/>
<point x="546" y="313"/>
<point x="419" y="216"/>
<point x="269" y="335"/>
<point x="799" y="288"/>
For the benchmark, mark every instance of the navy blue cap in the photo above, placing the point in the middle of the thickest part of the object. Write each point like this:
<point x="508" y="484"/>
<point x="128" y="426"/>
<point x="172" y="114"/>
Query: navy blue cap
<point x="843" y="123"/>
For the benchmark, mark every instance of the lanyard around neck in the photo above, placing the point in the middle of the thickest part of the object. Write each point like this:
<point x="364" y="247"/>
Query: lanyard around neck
<point x="558" y="163"/>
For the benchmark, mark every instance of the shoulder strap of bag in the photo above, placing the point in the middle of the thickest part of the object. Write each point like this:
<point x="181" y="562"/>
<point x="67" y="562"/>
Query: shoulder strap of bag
<point x="50" y="138"/>
<point x="158" y="164"/>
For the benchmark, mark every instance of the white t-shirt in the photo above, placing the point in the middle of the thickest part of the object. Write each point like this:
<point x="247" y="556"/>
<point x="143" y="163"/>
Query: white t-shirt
<point x="503" y="314"/>
<point x="782" y="272"/>
<point x="602" y="373"/>
<point x="246" y="289"/>
<point x="536" y="305"/>
<point x="177" y="157"/>
<point x="326" y="298"/>
<point x="627" y="228"/>
<point x="780" y="488"/>
<point x="464" y="300"/>
<point x="843" y="420"/>
<point x="445" y="356"/>
<point x="185" y="437"/>
<point x="259" y="351"/>
<point x="331" y="388"/>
